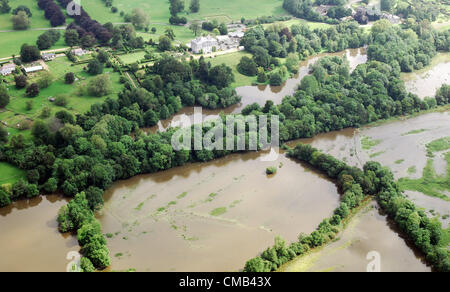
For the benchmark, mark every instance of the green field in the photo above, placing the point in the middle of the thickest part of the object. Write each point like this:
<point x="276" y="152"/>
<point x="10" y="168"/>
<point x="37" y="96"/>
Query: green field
<point x="182" y="34"/>
<point x="133" y="57"/>
<point x="223" y="10"/>
<point x="37" y="20"/>
<point x="232" y="60"/>
<point x="10" y="42"/>
<point x="16" y="109"/>
<point x="9" y="173"/>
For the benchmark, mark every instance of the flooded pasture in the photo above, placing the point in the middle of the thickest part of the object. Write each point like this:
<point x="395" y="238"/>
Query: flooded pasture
<point x="212" y="216"/>
<point x="30" y="239"/>
<point x="368" y="233"/>
<point x="425" y="82"/>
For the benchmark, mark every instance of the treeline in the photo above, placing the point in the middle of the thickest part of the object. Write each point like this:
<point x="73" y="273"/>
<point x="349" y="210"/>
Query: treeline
<point x="418" y="10"/>
<point x="278" y="40"/>
<point x="351" y="182"/>
<point x="425" y="233"/>
<point x="332" y="99"/>
<point x="85" y="25"/>
<point x="304" y="9"/>
<point x="355" y="184"/>
<point x="52" y="12"/>
<point x="265" y="19"/>
<point x="159" y="99"/>
<point x="406" y="49"/>
<point x="212" y="25"/>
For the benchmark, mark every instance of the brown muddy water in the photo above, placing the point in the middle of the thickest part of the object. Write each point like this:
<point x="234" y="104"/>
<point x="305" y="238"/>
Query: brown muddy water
<point x="426" y="81"/>
<point x="261" y="93"/>
<point x="212" y="216"/>
<point x="368" y="234"/>
<point x="30" y="240"/>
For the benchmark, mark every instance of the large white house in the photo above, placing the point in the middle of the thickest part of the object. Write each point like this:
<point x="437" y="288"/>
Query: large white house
<point x="204" y="44"/>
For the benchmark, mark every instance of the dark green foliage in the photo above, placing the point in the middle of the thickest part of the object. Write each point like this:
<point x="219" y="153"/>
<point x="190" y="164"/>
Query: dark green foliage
<point x="33" y="90"/>
<point x="194" y="6"/>
<point x="275" y="79"/>
<point x="95" y="67"/>
<point x="4" y="96"/>
<point x="69" y="78"/>
<point x="86" y="265"/>
<point x="48" y="39"/>
<point x="247" y="66"/>
<point x="29" y="53"/>
<point x="424" y="232"/>
<point x="21" y="81"/>
<point x="5" y="199"/>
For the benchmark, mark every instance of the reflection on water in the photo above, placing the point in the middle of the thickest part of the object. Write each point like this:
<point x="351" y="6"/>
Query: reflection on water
<point x="262" y="93"/>
<point x="30" y="240"/>
<point x="212" y="216"/>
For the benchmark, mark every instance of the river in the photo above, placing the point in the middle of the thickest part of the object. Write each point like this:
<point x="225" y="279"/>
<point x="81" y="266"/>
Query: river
<point x="30" y="240"/>
<point x="214" y="216"/>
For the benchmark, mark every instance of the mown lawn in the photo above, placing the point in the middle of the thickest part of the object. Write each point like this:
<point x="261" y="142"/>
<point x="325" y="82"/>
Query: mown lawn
<point x="182" y="34"/>
<point x="133" y="57"/>
<point x="233" y="60"/>
<point x="10" y="174"/>
<point x="10" y="42"/>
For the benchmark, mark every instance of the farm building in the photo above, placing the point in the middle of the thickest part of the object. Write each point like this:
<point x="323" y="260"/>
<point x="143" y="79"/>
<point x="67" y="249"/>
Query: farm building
<point x="7" y="69"/>
<point x="33" y="69"/>
<point x="48" y="57"/>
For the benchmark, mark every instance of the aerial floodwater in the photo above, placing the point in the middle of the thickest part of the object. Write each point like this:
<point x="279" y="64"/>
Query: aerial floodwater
<point x="425" y="82"/>
<point x="30" y="238"/>
<point x="212" y="216"/>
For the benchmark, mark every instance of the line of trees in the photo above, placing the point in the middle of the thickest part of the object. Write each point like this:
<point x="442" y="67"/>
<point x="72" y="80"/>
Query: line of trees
<point x="351" y="182"/>
<point x="52" y="12"/>
<point x="86" y="27"/>
<point x="304" y="9"/>
<point x="48" y="39"/>
<point x="425" y="233"/>
<point x="408" y="49"/>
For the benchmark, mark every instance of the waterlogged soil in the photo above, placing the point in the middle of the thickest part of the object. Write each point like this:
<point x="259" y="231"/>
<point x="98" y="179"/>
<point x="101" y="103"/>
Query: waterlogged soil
<point x="261" y="93"/>
<point x="369" y="240"/>
<point x="30" y="239"/>
<point x="212" y="216"/>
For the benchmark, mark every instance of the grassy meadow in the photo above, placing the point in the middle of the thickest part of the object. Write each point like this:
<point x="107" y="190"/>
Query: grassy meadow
<point x="79" y="100"/>
<point x="10" y="173"/>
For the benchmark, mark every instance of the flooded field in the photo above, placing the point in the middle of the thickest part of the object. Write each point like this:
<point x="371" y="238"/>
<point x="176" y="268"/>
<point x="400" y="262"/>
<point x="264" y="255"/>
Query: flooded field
<point x="425" y="82"/>
<point x="261" y="93"/>
<point x="30" y="240"/>
<point x="212" y="216"/>
<point x="368" y="232"/>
